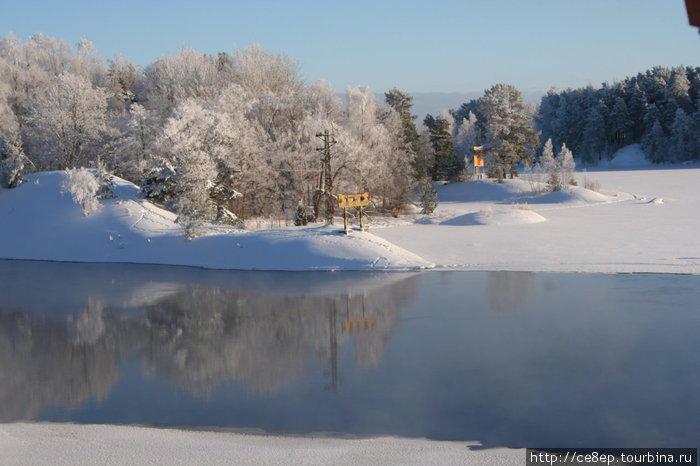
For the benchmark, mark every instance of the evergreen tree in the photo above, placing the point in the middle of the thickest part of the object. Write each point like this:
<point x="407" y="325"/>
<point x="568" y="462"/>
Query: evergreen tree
<point x="402" y="104"/>
<point x="428" y="196"/>
<point x="448" y="165"/>
<point x="566" y="164"/>
<point x="679" y="89"/>
<point x="550" y="167"/>
<point x="593" y="135"/>
<point x="510" y="134"/>
<point x="620" y="123"/>
<point x="655" y="143"/>
<point x="683" y="140"/>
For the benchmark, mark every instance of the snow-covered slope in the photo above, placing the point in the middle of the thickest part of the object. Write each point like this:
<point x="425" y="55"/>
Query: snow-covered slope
<point x="40" y="223"/>
<point x="642" y="220"/>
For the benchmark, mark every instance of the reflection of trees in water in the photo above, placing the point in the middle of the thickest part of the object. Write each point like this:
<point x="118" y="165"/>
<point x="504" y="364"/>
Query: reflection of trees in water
<point x="198" y="337"/>
<point x="46" y="363"/>
<point x="507" y="290"/>
<point x="202" y="336"/>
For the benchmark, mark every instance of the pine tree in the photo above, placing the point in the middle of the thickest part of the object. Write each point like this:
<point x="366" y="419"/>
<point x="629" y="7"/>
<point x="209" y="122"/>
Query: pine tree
<point x="448" y="164"/>
<point x="549" y="166"/>
<point x="510" y="132"/>
<point x="566" y="164"/>
<point x="683" y="140"/>
<point x="300" y="216"/>
<point x="594" y="135"/>
<point x="403" y="103"/>
<point x="655" y="143"/>
<point x="428" y="196"/>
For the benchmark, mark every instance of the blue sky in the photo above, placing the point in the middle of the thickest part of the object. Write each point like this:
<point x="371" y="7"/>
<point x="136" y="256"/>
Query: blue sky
<point x="418" y="46"/>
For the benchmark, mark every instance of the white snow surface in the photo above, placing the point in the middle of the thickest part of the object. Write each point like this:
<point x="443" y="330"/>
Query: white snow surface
<point x="69" y="444"/>
<point x="642" y="220"/>
<point x="39" y="223"/>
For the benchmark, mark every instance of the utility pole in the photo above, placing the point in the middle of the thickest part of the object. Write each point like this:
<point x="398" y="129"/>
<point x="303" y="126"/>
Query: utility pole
<point x="325" y="179"/>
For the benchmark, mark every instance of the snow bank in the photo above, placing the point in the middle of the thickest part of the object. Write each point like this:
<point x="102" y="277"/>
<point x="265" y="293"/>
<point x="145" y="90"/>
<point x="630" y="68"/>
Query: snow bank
<point x="482" y="190"/>
<point x="45" y="225"/>
<point x="515" y="215"/>
<point x="573" y="195"/>
<point x="46" y="443"/>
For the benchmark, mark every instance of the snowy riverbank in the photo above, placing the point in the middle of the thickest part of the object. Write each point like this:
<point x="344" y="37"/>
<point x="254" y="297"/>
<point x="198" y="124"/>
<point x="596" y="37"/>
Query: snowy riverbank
<point x="641" y="220"/>
<point x="46" y="225"/>
<point x="47" y="443"/>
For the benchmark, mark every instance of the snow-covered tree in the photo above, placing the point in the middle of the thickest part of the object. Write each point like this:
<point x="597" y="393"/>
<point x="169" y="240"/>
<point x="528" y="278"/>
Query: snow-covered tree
<point x="428" y="196"/>
<point x="13" y="161"/>
<point x="548" y="165"/>
<point x="466" y="135"/>
<point x="683" y="138"/>
<point x="191" y="144"/>
<point x="170" y="81"/>
<point x="448" y="164"/>
<point x="567" y="165"/>
<point x="69" y="121"/>
<point x="83" y="186"/>
<point x="593" y="143"/>
<point x="123" y="78"/>
<point x="510" y="134"/>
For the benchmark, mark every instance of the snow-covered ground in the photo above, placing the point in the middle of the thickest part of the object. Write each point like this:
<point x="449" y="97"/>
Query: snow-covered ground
<point x="641" y="220"/>
<point x="69" y="444"/>
<point x="46" y="225"/>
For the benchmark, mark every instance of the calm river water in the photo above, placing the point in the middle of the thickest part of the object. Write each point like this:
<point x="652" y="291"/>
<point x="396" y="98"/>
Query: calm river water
<point x="505" y="358"/>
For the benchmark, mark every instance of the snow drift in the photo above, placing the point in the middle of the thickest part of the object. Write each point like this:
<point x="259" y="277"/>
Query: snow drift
<point x="46" y="225"/>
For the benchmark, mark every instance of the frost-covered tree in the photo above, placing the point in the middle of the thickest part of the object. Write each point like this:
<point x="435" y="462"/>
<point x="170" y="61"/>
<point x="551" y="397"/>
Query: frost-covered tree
<point x="123" y="78"/>
<point x="509" y="130"/>
<point x="466" y="135"/>
<point x="13" y="161"/>
<point x="191" y="143"/>
<point x="593" y="143"/>
<point x="627" y="112"/>
<point x="69" y="122"/>
<point x="655" y="143"/>
<point x="171" y="80"/>
<point x="83" y="186"/>
<point x="567" y="165"/>
<point x="683" y="138"/>
<point x="549" y="166"/>
<point x="377" y="158"/>
<point x="428" y="196"/>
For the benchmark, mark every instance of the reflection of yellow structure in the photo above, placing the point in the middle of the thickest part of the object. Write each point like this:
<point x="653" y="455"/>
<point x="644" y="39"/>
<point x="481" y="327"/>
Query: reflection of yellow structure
<point x="358" y="325"/>
<point x="361" y="324"/>
<point x="478" y="163"/>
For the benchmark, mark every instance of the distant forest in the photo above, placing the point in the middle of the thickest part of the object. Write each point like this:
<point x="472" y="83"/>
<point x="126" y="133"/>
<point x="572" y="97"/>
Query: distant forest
<point x="234" y="135"/>
<point x="659" y="108"/>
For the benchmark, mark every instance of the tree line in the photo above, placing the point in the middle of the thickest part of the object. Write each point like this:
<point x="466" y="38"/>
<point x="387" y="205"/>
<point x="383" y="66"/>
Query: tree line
<point x="233" y="136"/>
